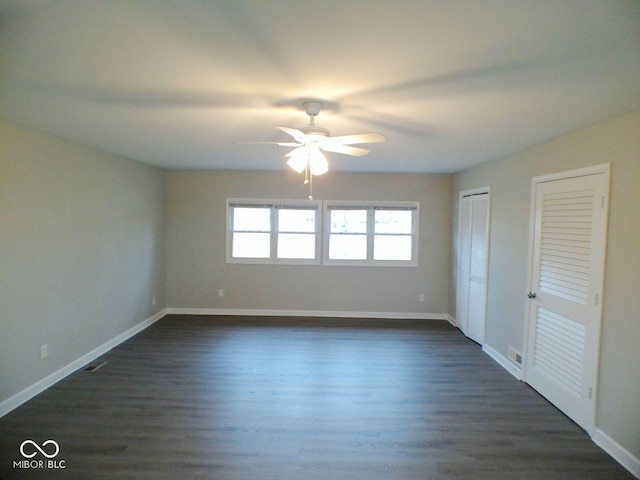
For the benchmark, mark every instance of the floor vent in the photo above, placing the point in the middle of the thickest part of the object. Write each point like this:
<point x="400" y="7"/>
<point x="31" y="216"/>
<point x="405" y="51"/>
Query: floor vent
<point x="515" y="356"/>
<point x="94" y="367"/>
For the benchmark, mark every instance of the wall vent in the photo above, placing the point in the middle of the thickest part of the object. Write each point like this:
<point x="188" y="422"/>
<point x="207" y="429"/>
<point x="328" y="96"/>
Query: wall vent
<point x="515" y="356"/>
<point x="94" y="367"/>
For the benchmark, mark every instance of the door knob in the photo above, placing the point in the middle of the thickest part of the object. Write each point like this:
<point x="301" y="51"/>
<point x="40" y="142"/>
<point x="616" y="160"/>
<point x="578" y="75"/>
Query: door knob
<point x="532" y="295"/>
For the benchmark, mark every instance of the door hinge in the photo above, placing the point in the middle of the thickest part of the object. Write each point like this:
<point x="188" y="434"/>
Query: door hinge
<point x="597" y="298"/>
<point x="602" y="205"/>
<point x="590" y="393"/>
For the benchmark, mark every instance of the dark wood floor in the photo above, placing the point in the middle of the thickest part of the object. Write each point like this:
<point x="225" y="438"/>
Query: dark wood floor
<point x="292" y="398"/>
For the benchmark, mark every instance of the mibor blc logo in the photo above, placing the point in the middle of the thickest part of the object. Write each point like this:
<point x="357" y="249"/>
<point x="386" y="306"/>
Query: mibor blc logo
<point x="33" y="453"/>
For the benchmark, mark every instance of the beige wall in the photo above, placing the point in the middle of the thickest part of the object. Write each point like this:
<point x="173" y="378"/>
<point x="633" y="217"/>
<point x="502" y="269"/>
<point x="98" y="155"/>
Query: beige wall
<point x="84" y="237"/>
<point x="616" y="141"/>
<point x="81" y="251"/>
<point x="196" y="268"/>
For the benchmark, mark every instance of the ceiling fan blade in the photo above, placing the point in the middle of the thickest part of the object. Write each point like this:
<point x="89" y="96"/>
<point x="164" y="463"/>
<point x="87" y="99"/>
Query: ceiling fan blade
<point x="294" y="132"/>
<point x="330" y="146"/>
<point x="282" y="144"/>
<point x="371" y="137"/>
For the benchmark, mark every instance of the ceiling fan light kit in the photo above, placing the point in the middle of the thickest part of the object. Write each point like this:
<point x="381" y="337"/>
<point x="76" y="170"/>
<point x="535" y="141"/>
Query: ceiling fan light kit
<point x="310" y="140"/>
<point x="308" y="157"/>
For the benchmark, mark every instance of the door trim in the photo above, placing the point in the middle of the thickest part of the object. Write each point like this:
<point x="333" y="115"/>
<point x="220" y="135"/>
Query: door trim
<point x="603" y="168"/>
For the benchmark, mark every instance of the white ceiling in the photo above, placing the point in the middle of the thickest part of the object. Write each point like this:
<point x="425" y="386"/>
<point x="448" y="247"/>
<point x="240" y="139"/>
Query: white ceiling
<point x="176" y="83"/>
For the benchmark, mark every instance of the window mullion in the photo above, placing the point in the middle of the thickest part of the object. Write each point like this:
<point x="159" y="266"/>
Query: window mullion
<point x="274" y="232"/>
<point x="319" y="232"/>
<point x="230" y="232"/>
<point x="370" y="233"/>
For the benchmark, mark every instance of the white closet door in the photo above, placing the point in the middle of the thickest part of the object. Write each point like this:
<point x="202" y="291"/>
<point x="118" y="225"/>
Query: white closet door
<point x="464" y="255"/>
<point x="567" y="269"/>
<point x="478" y="268"/>
<point x="472" y="260"/>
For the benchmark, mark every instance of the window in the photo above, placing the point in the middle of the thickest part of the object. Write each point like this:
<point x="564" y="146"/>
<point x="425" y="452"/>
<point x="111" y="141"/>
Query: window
<point x="371" y="233"/>
<point x="296" y="233"/>
<point x="355" y="233"/>
<point x="348" y="234"/>
<point x="273" y="231"/>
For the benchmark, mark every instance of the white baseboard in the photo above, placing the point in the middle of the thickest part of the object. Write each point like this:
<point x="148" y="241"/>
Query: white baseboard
<point x="613" y="448"/>
<point x="451" y="320"/>
<point x="308" y="313"/>
<point x="617" y="451"/>
<point x="28" y="393"/>
<point x="503" y="362"/>
<point x="31" y="391"/>
<point x="609" y="445"/>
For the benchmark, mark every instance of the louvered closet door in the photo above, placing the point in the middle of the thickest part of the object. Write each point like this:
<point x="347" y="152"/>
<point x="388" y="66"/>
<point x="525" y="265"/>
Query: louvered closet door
<point x="464" y="255"/>
<point x="472" y="265"/>
<point x="565" y="311"/>
<point x="478" y="268"/>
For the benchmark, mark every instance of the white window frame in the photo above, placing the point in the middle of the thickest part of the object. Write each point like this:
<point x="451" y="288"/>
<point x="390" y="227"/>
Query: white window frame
<point x="274" y="206"/>
<point x="371" y="207"/>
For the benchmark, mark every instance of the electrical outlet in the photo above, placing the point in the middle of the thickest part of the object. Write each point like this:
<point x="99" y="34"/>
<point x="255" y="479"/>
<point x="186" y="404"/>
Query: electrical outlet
<point x="421" y="297"/>
<point x="153" y="301"/>
<point x="221" y="292"/>
<point x="44" y="351"/>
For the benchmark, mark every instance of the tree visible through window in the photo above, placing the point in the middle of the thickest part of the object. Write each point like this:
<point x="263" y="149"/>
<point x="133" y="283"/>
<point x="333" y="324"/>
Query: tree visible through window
<point x="348" y="237"/>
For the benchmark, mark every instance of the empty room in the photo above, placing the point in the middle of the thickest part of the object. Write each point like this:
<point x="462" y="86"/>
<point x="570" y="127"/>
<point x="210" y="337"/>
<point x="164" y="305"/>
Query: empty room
<point x="340" y="239"/>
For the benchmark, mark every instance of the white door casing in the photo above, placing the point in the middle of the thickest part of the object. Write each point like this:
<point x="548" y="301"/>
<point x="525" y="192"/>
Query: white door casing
<point x="567" y="254"/>
<point x="473" y="253"/>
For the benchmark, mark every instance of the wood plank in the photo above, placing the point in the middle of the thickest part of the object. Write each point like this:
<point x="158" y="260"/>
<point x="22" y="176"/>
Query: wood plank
<point x="300" y="398"/>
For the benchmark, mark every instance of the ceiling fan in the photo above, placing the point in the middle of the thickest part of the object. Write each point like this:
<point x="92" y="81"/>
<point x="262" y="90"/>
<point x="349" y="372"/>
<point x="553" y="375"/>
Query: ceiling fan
<point x="310" y="140"/>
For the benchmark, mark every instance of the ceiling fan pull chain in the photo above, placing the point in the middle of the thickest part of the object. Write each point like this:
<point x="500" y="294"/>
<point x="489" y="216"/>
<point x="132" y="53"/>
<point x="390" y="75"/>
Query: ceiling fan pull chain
<point x="306" y="171"/>
<point x="311" y="186"/>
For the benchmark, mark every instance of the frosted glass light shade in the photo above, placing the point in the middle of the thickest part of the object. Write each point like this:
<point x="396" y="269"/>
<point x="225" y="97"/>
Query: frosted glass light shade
<point x="310" y="156"/>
